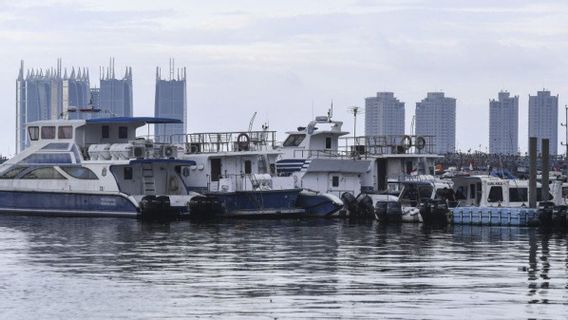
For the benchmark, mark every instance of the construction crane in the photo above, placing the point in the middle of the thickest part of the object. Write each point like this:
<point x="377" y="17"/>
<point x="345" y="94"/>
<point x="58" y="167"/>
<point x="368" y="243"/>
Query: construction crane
<point x="252" y="121"/>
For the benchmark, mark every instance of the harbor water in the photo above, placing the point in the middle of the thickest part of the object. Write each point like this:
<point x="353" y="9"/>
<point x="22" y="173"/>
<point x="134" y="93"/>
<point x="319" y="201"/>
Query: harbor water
<point x="74" y="268"/>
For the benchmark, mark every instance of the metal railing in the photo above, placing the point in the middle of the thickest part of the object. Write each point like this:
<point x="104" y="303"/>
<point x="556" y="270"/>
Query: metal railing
<point x="390" y="144"/>
<point x="211" y="142"/>
<point x="312" y="153"/>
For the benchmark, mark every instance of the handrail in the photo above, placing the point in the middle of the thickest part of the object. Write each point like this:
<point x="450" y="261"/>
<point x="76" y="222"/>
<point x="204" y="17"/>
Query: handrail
<point x="211" y="142"/>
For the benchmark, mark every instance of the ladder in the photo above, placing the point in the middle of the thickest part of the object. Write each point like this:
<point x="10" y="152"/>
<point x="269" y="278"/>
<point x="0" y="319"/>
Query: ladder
<point x="148" y="181"/>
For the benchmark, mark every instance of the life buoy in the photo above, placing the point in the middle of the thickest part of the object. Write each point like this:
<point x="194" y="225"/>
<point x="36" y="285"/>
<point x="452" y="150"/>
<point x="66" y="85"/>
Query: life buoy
<point x="406" y="142"/>
<point x="420" y="143"/>
<point x="194" y="148"/>
<point x="243" y="141"/>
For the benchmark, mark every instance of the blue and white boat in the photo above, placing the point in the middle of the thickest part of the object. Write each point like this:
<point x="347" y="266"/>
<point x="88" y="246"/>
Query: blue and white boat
<point x="310" y="160"/>
<point x="96" y="167"/>
<point x="235" y="171"/>
<point x="492" y="200"/>
<point x="320" y="157"/>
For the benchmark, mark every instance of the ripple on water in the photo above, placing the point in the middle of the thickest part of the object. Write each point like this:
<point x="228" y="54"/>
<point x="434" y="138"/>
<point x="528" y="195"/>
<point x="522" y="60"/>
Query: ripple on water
<point x="113" y="268"/>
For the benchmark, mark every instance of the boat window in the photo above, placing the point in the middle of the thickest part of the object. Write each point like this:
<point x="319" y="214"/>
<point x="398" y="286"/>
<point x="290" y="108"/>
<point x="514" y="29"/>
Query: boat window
<point x="461" y="193"/>
<point x="425" y="191"/>
<point x="33" y="132"/>
<point x="335" y="181"/>
<point x="44" y="173"/>
<point x="409" y="193"/>
<point x="48" y="132"/>
<point x="495" y="194"/>
<point x="328" y="142"/>
<point x="12" y="172"/>
<point x="215" y="169"/>
<point x="56" y="146"/>
<point x="65" y="132"/>
<point x="564" y="192"/>
<point x="80" y="173"/>
<point x="105" y="132"/>
<point x="48" y="158"/>
<point x="248" y="167"/>
<point x="294" y="140"/>
<point x="518" y="194"/>
<point x="185" y="172"/>
<point x="445" y="194"/>
<point x="127" y="173"/>
<point x="123" y="132"/>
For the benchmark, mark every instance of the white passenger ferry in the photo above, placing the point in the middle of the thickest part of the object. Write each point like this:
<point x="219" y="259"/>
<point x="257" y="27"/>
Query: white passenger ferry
<point x="321" y="158"/>
<point x="95" y="167"/>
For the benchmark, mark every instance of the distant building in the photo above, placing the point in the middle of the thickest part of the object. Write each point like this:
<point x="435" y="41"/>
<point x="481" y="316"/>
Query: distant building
<point x="436" y="116"/>
<point x="171" y="102"/>
<point x="92" y="110"/>
<point x="95" y="97"/>
<point x="543" y="119"/>
<point x="384" y="115"/>
<point x="115" y="95"/>
<point x="47" y="94"/>
<point x="504" y="124"/>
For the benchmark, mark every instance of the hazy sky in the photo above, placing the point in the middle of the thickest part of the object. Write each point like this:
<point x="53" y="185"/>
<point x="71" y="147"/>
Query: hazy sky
<point x="280" y="57"/>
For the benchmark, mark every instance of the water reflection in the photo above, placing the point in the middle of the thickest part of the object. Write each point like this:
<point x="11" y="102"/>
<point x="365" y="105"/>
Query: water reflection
<point x="293" y="268"/>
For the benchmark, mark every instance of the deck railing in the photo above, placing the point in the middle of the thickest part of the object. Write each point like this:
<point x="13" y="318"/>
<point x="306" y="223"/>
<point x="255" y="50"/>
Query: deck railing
<point x="210" y="142"/>
<point x="389" y="144"/>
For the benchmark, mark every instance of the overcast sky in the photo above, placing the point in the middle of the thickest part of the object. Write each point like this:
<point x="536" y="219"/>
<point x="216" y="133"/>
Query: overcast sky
<point x="281" y="57"/>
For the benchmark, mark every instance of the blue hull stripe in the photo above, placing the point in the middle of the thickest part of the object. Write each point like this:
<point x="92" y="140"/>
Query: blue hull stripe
<point x="60" y="203"/>
<point x="318" y="205"/>
<point x="259" y="201"/>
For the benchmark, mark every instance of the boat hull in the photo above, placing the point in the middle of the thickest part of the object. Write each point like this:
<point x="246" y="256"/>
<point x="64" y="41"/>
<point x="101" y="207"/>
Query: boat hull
<point x="319" y="205"/>
<point x="269" y="203"/>
<point x="67" y="204"/>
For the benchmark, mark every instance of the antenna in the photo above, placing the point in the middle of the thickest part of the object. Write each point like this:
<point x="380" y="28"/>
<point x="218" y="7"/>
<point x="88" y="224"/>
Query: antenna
<point x="312" y="109"/>
<point x="172" y="73"/>
<point x="354" y="110"/>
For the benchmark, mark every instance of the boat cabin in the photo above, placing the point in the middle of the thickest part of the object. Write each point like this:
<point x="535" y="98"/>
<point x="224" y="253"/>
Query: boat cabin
<point x="489" y="191"/>
<point x="319" y="138"/>
<point x="231" y="161"/>
<point x="414" y="192"/>
<point x="101" y="154"/>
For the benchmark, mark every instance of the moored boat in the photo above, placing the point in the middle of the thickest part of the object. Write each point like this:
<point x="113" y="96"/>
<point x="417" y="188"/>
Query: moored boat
<point x="95" y="167"/>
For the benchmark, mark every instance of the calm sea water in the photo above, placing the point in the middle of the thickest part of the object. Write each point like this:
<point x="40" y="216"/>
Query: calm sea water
<point x="73" y="268"/>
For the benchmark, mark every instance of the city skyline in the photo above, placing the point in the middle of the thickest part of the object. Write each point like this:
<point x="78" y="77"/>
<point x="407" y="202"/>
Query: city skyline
<point x="282" y="58"/>
<point x="383" y="114"/>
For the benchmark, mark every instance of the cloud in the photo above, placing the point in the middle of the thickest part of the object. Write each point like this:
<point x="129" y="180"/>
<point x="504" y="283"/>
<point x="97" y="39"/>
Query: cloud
<point x="281" y="56"/>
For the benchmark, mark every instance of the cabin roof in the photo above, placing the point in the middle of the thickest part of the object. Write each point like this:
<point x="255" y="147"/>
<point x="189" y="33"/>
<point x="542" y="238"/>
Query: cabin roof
<point x="55" y="122"/>
<point x="165" y="161"/>
<point x="144" y="120"/>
